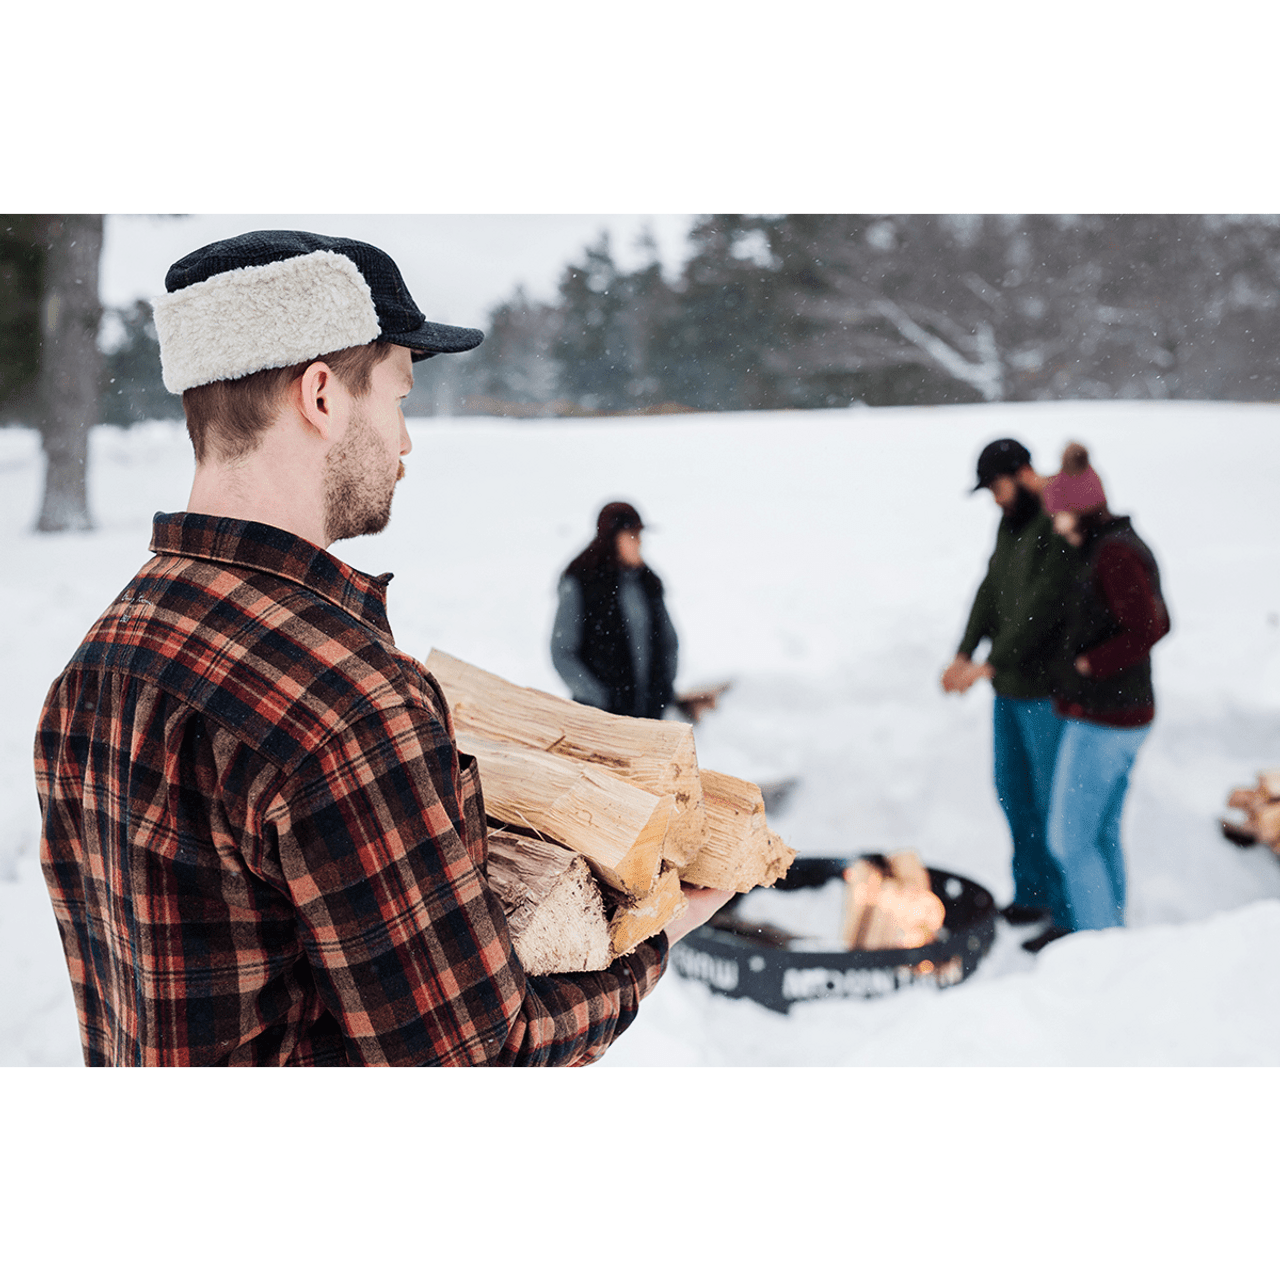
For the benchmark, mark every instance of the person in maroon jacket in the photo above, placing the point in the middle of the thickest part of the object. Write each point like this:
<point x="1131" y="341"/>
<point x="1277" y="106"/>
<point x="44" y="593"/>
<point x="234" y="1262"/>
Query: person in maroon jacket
<point x="1103" y="693"/>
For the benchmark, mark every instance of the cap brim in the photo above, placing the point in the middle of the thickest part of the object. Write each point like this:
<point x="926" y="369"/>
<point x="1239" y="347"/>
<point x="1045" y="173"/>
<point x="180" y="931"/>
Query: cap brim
<point x="986" y="484"/>
<point x="436" y="340"/>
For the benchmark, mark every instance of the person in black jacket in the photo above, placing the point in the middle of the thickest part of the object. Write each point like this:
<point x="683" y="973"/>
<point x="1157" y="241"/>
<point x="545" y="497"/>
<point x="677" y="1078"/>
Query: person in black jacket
<point x="612" y="642"/>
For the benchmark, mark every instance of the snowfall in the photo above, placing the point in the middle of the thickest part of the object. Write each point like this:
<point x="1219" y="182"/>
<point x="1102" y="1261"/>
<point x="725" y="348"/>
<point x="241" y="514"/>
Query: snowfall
<point x="823" y="562"/>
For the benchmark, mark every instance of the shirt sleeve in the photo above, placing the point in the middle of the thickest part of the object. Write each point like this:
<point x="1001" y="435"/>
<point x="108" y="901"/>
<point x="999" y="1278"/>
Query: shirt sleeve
<point x="1123" y="581"/>
<point x="566" y="644"/>
<point x="407" y="945"/>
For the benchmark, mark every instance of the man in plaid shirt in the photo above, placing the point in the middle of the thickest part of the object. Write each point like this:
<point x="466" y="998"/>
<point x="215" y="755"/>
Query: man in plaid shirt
<point x="262" y="845"/>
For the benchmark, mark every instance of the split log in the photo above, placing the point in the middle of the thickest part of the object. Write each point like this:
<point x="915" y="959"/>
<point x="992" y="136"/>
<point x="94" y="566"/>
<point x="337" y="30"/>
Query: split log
<point x="740" y="852"/>
<point x="554" y="908"/>
<point x="624" y="794"/>
<point x="1247" y="799"/>
<point x="632" y="923"/>
<point x="619" y="829"/>
<point x="657" y="756"/>
<point x="695" y="703"/>
<point x="1269" y="783"/>
<point x="907" y="869"/>
<point x="862" y="888"/>
<point x="1260" y="806"/>
<point x="891" y="905"/>
<point x="522" y="869"/>
<point x="560" y="920"/>
<point x="1266" y="822"/>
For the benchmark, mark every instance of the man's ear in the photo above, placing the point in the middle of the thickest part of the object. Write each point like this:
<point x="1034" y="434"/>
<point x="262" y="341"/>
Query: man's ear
<point x="316" y="389"/>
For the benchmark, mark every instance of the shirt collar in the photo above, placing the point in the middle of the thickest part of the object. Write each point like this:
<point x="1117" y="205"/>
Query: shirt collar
<point x="266" y="549"/>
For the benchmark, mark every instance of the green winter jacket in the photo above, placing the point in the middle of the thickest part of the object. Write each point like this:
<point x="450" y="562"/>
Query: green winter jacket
<point x="1020" y="606"/>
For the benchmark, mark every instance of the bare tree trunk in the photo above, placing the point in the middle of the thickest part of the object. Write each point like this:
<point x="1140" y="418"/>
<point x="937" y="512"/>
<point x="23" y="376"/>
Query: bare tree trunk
<point x="70" y="365"/>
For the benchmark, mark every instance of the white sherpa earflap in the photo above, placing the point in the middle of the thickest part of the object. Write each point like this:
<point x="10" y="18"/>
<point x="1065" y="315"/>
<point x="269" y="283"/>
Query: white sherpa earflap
<point x="265" y="317"/>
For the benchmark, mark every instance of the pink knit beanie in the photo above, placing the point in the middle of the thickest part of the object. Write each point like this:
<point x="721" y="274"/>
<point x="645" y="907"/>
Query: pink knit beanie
<point x="1077" y="487"/>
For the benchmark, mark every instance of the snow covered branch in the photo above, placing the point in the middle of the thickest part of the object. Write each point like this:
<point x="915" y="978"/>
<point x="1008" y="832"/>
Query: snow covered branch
<point x="985" y="375"/>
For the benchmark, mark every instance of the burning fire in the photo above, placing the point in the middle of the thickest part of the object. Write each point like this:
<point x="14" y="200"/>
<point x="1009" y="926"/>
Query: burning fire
<point x="889" y="903"/>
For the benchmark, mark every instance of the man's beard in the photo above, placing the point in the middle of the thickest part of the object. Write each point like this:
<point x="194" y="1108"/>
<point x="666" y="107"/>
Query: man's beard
<point x="357" y="494"/>
<point x="1024" y="506"/>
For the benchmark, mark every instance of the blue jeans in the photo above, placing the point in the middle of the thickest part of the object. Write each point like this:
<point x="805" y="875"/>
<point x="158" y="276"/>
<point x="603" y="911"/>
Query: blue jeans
<point x="1025" y="746"/>
<point x="1089" y="786"/>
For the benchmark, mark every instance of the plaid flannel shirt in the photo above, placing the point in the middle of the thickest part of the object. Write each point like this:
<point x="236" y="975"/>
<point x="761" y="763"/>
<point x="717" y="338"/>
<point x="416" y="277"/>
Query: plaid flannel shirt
<point x="261" y="842"/>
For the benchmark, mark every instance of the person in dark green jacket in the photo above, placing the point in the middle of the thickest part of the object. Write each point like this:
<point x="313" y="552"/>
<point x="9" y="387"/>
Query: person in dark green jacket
<point x="1020" y="609"/>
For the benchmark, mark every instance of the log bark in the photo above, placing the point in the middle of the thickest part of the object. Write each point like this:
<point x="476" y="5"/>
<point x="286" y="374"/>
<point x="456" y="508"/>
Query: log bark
<point x="740" y="852"/>
<point x="554" y="908"/>
<point x="619" y="829"/>
<point x="657" y="756"/>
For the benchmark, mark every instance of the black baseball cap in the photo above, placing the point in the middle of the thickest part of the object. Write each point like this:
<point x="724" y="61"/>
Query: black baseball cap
<point x="614" y="517"/>
<point x="1000" y="458"/>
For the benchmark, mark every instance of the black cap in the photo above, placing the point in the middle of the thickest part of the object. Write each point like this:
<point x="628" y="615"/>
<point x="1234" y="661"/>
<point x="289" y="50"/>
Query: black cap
<point x="1000" y="458"/>
<point x="399" y="319"/>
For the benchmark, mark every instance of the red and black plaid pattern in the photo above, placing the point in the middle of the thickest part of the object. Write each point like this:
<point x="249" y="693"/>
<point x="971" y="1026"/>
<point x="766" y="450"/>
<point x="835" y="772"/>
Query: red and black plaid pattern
<point x="261" y="843"/>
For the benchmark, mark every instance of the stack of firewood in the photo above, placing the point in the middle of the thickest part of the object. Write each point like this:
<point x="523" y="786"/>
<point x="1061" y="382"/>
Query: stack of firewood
<point x="1259" y="809"/>
<point x="889" y="903"/>
<point x="595" y="819"/>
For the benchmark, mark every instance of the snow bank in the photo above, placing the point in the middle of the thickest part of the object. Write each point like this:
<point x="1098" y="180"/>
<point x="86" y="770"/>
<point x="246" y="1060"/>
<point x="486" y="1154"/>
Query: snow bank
<point x="824" y="562"/>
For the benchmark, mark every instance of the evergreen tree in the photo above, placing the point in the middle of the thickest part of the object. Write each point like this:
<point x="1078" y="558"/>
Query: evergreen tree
<point x="718" y="329"/>
<point x="515" y="362"/>
<point x="132" y="387"/>
<point x="646" y="303"/>
<point x="813" y="310"/>
<point x="22" y="261"/>
<point x="591" y="345"/>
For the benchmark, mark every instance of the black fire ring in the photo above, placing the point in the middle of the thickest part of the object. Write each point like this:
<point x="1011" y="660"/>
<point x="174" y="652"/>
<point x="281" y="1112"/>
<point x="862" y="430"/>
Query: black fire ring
<point x="744" y="960"/>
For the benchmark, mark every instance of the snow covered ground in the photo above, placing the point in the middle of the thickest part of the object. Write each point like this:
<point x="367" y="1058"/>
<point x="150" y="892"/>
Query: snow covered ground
<point x="823" y="561"/>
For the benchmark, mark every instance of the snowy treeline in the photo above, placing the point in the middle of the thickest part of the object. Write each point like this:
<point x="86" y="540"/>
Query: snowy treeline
<point x="827" y="310"/>
<point x="811" y="311"/>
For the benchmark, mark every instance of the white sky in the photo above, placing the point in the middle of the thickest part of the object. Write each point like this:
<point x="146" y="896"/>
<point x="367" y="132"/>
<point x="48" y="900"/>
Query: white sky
<point x="457" y="266"/>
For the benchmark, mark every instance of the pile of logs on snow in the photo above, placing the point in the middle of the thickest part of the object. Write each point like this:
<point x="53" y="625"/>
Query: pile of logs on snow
<point x="1259" y="808"/>
<point x="889" y="903"/>
<point x="595" y="819"/>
